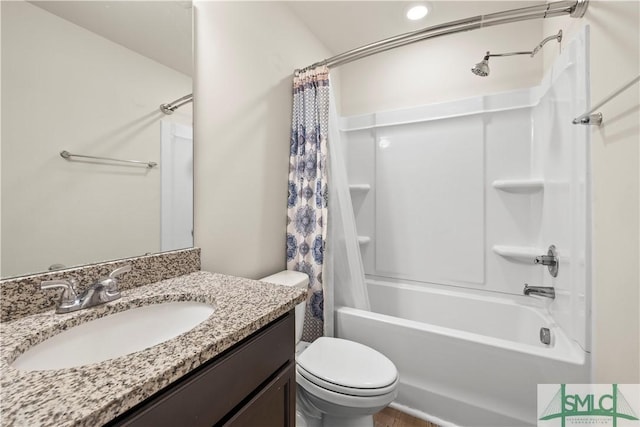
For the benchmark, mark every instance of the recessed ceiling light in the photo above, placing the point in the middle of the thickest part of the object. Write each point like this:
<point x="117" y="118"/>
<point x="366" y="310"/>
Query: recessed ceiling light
<point x="417" y="12"/>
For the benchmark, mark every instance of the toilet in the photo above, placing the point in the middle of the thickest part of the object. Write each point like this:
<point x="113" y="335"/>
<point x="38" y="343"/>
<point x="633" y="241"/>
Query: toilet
<point x="341" y="383"/>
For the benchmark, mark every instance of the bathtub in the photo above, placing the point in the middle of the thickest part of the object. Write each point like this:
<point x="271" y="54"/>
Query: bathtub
<point x="464" y="358"/>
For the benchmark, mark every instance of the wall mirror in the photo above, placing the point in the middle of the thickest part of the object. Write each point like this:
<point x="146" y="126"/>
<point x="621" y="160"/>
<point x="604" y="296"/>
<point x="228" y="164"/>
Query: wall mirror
<point x="88" y="77"/>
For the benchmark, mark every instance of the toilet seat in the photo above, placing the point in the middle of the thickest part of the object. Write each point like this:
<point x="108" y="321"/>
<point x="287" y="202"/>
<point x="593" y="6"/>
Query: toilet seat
<point x="347" y="367"/>
<point x="319" y="395"/>
<point x="338" y="388"/>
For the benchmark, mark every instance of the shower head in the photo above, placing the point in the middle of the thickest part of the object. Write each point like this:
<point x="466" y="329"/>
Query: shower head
<point x="482" y="68"/>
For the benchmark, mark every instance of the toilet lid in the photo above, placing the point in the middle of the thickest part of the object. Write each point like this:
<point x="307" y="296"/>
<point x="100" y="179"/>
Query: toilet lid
<point x="347" y="364"/>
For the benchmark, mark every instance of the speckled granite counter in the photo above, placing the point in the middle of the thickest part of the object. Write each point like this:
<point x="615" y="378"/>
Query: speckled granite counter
<point x="94" y="394"/>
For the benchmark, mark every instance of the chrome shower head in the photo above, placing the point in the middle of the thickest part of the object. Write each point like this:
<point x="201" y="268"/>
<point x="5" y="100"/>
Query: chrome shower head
<point x="482" y="68"/>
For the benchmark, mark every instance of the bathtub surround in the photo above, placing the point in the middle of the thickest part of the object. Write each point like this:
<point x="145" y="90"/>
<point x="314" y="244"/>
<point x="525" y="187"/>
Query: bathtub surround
<point x="22" y="296"/>
<point x="308" y="191"/>
<point x="475" y="231"/>
<point x="486" y="220"/>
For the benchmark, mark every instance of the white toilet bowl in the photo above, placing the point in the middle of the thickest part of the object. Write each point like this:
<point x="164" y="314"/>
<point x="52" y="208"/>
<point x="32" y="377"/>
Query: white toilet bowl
<point x="341" y="383"/>
<point x="344" y="382"/>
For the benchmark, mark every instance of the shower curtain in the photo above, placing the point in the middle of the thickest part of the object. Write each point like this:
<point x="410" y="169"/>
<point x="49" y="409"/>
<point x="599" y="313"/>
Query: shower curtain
<point x="335" y="275"/>
<point x="307" y="201"/>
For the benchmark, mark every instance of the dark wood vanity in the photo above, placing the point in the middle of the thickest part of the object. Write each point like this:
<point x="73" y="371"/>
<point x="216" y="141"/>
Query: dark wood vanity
<point x="251" y="384"/>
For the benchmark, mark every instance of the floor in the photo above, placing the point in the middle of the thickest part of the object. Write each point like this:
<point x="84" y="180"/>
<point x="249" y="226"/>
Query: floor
<point x="390" y="417"/>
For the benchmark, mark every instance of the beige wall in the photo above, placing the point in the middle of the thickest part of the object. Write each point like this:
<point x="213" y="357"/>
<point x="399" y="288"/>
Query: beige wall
<point x="65" y="88"/>
<point x="615" y="60"/>
<point x="439" y="70"/>
<point x="245" y="55"/>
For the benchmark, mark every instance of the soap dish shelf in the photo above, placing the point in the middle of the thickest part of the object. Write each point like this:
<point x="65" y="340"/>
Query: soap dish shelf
<point x="359" y="188"/>
<point x="518" y="185"/>
<point x="525" y="254"/>
<point x="364" y="240"/>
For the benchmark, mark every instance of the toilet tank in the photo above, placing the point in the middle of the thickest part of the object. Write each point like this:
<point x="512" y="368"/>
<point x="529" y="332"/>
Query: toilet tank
<point x="298" y="280"/>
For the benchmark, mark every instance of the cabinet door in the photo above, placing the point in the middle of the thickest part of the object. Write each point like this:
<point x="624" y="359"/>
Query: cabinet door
<point x="210" y="394"/>
<point x="273" y="406"/>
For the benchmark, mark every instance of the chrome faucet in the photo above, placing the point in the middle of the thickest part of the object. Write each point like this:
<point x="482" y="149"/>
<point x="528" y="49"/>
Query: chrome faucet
<point x="543" y="291"/>
<point x="103" y="291"/>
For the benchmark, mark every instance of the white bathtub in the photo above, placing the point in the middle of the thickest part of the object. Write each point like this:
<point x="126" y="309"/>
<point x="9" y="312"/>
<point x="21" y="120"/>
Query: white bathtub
<point x="464" y="359"/>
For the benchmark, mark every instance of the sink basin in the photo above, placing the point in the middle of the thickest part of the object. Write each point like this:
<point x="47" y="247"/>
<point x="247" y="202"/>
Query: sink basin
<point x="115" y="335"/>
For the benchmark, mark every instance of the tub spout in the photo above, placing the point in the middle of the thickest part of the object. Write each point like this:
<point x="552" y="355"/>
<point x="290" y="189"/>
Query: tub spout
<point x="543" y="291"/>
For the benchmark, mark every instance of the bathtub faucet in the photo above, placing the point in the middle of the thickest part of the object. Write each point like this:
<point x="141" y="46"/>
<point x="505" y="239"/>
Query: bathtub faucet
<point x="543" y="291"/>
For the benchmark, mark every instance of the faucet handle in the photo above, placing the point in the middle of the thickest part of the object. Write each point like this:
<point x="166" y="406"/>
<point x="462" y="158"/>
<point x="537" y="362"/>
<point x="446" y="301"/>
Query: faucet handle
<point x="546" y="260"/>
<point x="120" y="271"/>
<point x="110" y="283"/>
<point x="551" y="260"/>
<point x="69" y="295"/>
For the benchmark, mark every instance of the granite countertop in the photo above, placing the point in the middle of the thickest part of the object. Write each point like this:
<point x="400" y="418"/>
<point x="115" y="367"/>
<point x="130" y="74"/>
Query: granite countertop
<point x="94" y="394"/>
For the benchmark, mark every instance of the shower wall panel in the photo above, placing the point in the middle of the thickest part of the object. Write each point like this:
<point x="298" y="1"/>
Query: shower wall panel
<point x="429" y="213"/>
<point x="429" y="205"/>
<point x="513" y="217"/>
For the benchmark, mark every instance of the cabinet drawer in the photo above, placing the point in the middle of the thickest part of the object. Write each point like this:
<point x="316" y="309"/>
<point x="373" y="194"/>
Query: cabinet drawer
<point x="204" y="397"/>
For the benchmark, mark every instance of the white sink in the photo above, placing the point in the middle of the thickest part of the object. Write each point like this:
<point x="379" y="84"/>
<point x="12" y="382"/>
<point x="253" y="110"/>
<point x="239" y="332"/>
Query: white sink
<point x="115" y="335"/>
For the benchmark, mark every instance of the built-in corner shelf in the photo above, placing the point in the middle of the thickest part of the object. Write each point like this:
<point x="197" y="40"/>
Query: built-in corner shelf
<point x="519" y="185"/>
<point x="363" y="240"/>
<point x="525" y="254"/>
<point x="359" y="188"/>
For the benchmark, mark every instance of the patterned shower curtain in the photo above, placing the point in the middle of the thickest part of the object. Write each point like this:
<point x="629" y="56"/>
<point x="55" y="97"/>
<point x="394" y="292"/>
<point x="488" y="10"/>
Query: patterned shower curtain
<point x="307" y="202"/>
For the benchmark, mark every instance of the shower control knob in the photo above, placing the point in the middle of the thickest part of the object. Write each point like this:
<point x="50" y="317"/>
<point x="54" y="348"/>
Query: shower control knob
<point x="546" y="260"/>
<point x="550" y="260"/>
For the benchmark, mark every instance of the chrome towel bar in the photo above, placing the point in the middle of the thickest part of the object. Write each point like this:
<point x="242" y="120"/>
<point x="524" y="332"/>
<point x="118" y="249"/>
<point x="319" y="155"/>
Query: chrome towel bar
<point x="591" y="118"/>
<point x="67" y="155"/>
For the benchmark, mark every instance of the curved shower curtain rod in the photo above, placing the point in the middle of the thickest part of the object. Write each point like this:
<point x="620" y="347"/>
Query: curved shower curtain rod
<point x="575" y="9"/>
<point x="174" y="105"/>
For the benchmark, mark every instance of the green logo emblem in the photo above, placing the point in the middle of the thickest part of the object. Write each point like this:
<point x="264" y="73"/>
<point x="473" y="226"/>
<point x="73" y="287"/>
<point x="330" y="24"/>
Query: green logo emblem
<point x="564" y="406"/>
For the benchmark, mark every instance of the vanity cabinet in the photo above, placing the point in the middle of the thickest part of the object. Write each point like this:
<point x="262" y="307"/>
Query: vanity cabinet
<point x="250" y="384"/>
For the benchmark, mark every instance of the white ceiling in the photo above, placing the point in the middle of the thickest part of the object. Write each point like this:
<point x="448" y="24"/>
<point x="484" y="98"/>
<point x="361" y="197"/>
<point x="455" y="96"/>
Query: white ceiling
<point x="345" y="25"/>
<point x="160" y="30"/>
